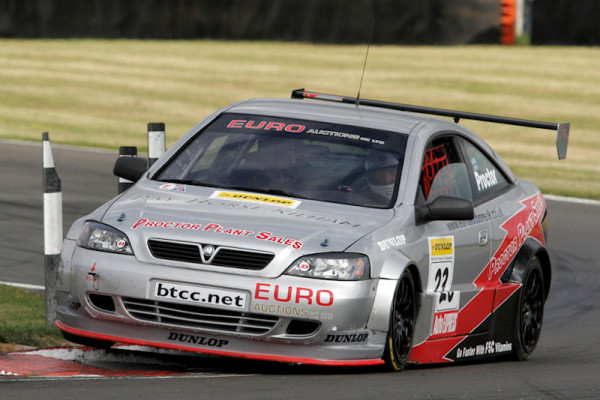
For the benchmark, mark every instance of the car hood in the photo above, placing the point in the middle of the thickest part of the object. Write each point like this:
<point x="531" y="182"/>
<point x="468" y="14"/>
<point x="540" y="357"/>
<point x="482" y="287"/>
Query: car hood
<point x="283" y="226"/>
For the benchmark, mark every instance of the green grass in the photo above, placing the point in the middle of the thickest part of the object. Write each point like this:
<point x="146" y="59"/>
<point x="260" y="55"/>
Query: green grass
<point x="102" y="93"/>
<point x="23" y="319"/>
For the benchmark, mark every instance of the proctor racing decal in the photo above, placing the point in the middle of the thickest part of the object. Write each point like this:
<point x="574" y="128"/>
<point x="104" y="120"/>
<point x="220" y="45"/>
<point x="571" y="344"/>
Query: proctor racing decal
<point x="524" y="223"/>
<point x="255" y="198"/>
<point x="486" y="180"/>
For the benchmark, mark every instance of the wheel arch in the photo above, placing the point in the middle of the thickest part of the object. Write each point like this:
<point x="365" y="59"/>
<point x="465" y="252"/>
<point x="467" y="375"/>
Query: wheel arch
<point x="388" y="283"/>
<point x="530" y="249"/>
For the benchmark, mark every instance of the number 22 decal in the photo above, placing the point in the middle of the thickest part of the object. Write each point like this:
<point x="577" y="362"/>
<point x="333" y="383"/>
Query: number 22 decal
<point x="438" y="279"/>
<point x="441" y="273"/>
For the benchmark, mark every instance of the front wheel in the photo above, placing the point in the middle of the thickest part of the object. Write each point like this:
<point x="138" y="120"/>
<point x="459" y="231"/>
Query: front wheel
<point x="530" y="312"/>
<point x="402" y="324"/>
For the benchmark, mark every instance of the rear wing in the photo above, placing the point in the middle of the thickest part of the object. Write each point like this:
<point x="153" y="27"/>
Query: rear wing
<point x="562" y="129"/>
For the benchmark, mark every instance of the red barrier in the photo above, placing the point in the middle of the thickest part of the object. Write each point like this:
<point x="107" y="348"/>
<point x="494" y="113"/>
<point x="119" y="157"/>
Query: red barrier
<point x="508" y="20"/>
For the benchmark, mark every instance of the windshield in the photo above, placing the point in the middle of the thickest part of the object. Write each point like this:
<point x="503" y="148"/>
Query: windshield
<point x="296" y="158"/>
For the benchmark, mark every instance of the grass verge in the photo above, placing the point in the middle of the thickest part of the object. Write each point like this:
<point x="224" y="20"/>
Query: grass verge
<point x="23" y="319"/>
<point x="102" y="93"/>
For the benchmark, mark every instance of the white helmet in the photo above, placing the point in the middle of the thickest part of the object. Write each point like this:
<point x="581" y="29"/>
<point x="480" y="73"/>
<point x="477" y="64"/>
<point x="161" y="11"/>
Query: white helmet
<point x="381" y="167"/>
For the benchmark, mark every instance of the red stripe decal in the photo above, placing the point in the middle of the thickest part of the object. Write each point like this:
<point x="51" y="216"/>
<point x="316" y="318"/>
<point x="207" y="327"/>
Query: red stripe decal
<point x="524" y="223"/>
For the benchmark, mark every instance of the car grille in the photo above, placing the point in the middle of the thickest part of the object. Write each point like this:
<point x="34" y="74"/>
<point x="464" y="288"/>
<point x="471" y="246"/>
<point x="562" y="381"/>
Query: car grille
<point x="198" y="317"/>
<point x="221" y="256"/>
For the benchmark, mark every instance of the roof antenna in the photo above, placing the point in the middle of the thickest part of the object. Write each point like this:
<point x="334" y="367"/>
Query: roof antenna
<point x="365" y="64"/>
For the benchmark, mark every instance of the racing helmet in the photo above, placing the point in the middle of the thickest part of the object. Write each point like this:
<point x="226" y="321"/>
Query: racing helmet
<point x="381" y="167"/>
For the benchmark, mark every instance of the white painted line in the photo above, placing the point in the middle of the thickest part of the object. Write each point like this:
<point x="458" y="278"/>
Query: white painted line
<point x="186" y="375"/>
<point x="572" y="200"/>
<point x="24" y="286"/>
<point x="59" y="146"/>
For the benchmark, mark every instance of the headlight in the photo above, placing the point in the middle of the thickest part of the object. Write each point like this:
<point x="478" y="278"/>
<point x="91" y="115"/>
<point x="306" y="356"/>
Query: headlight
<point x="335" y="266"/>
<point x="97" y="236"/>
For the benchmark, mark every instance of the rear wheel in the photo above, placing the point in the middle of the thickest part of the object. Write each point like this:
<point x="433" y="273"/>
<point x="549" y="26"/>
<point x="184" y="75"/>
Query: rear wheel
<point x="530" y="312"/>
<point x="402" y="324"/>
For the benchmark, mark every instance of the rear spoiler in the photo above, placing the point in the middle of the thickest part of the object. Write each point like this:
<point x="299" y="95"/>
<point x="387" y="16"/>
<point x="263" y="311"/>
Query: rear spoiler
<point x="562" y="129"/>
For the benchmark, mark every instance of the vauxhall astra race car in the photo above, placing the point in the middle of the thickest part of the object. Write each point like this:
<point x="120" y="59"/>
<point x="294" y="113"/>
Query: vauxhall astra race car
<point x="334" y="232"/>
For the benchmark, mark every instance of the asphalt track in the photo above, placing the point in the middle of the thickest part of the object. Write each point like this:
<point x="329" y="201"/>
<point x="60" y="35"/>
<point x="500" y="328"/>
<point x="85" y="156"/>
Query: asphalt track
<point x="565" y="364"/>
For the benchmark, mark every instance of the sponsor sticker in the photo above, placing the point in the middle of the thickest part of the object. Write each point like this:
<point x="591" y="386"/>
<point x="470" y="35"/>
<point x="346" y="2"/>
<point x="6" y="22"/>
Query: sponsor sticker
<point x="266" y="236"/>
<point x="347" y="337"/>
<point x="293" y="294"/>
<point x="518" y="228"/>
<point x="390" y="243"/>
<point x="441" y="246"/>
<point x="444" y="324"/>
<point x="200" y="295"/>
<point x="487" y="348"/>
<point x="292" y="301"/>
<point x="290" y="311"/>
<point x="280" y="126"/>
<point x="284" y="210"/>
<point x="173" y="187"/>
<point x="441" y="273"/>
<point x="255" y="198"/>
<point x="146" y="223"/>
<point x="74" y="305"/>
<point x="197" y="339"/>
<point x="486" y="180"/>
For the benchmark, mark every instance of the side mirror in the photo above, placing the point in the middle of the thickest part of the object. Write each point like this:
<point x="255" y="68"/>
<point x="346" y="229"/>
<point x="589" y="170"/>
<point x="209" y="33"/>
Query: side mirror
<point x="130" y="168"/>
<point x="445" y="208"/>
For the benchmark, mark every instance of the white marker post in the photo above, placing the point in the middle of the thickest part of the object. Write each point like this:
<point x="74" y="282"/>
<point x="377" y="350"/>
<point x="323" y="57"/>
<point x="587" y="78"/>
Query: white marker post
<point x="53" y="228"/>
<point x="156" y="141"/>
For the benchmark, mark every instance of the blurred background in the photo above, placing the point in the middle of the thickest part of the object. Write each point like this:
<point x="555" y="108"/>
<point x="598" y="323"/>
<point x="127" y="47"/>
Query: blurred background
<point x="439" y="22"/>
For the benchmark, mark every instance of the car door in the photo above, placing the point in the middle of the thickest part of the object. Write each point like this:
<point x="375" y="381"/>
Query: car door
<point x="491" y="190"/>
<point x="458" y="251"/>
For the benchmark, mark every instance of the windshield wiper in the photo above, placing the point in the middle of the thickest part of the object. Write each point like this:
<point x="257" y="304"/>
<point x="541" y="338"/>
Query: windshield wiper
<point x="188" y="182"/>
<point x="182" y="181"/>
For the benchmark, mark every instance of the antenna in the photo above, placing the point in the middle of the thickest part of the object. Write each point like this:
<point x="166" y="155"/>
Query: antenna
<point x="365" y="64"/>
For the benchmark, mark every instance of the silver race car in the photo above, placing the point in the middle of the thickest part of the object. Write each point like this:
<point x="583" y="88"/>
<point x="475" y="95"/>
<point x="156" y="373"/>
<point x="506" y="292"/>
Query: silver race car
<point x="316" y="230"/>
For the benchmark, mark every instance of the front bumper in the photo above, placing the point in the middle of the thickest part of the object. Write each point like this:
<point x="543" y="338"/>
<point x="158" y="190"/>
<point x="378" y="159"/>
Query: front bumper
<point x="289" y="319"/>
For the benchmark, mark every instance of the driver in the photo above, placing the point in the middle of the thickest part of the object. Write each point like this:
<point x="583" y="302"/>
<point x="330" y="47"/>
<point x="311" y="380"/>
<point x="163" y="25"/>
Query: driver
<point x="382" y="168"/>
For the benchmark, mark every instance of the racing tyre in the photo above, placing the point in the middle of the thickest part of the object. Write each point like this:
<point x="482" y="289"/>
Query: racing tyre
<point x="402" y="324"/>
<point x="531" y="311"/>
<point x="97" y="343"/>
